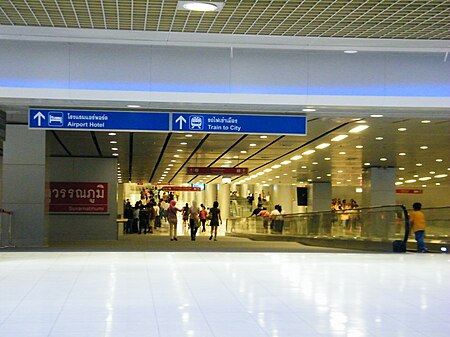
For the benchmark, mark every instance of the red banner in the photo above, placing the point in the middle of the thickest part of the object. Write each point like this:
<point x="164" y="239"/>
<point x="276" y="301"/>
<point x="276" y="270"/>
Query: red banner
<point x="217" y="170"/>
<point x="77" y="197"/>
<point x="408" y="191"/>
<point x="181" y="188"/>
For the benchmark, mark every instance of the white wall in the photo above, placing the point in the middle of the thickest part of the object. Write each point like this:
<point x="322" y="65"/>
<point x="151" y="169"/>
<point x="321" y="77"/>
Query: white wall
<point x="73" y="227"/>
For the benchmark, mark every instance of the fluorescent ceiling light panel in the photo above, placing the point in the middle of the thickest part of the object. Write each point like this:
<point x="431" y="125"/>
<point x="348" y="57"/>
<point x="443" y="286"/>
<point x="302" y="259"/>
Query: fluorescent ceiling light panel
<point x="338" y="138"/>
<point x="359" y="128"/>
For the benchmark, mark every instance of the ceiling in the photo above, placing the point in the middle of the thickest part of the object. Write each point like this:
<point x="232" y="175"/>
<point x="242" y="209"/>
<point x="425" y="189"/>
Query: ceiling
<point x="386" y="19"/>
<point x="413" y="146"/>
<point x="146" y="156"/>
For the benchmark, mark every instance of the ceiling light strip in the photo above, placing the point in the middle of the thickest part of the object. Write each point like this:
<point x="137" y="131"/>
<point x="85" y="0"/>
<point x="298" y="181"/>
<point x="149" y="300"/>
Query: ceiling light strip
<point x="161" y="155"/>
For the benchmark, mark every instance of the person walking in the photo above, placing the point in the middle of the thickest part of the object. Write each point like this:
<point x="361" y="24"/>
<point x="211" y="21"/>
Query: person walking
<point x="194" y="220"/>
<point x="203" y="217"/>
<point x="418" y="224"/>
<point x="216" y="219"/>
<point x="173" y="219"/>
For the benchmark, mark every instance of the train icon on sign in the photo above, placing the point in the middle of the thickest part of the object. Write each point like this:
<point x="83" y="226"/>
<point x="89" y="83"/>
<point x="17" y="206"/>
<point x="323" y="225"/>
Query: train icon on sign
<point x="196" y="123"/>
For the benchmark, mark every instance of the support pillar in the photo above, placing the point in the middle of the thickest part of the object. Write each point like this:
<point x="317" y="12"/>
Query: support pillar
<point x="378" y="186"/>
<point x="319" y="196"/>
<point x="24" y="182"/>
<point x="224" y="205"/>
<point x="282" y="195"/>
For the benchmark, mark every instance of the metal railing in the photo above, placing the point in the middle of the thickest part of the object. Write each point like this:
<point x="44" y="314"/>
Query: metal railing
<point x="382" y="224"/>
<point x="6" y="218"/>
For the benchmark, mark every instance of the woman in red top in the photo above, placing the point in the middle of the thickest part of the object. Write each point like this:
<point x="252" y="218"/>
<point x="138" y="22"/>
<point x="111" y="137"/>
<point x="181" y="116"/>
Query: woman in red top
<point x="203" y="216"/>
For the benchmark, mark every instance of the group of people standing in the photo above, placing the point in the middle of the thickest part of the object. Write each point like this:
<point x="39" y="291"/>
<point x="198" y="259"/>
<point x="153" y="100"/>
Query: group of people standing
<point x="273" y="220"/>
<point x="194" y="217"/>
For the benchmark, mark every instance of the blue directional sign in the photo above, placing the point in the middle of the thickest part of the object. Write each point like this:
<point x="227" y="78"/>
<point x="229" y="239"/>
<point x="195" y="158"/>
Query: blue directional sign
<point x="220" y="123"/>
<point x="82" y="120"/>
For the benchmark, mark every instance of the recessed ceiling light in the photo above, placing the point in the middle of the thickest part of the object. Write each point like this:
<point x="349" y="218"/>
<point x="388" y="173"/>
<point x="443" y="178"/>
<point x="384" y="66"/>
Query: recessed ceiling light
<point x="243" y="151"/>
<point x="253" y="144"/>
<point x="303" y="167"/>
<point x="267" y="170"/>
<point x="398" y="183"/>
<point x="350" y="51"/>
<point x="286" y="162"/>
<point x="115" y="154"/>
<point x="401" y="168"/>
<point x="277" y="177"/>
<point x="410" y="181"/>
<point x="418" y="164"/>
<point x="359" y="146"/>
<point x="342" y="152"/>
<point x="432" y="172"/>
<point x="323" y="146"/>
<point x="328" y="174"/>
<point x="173" y="161"/>
<point x="188" y="135"/>
<point x="439" y="160"/>
<point x="296" y="157"/>
<point x="113" y="141"/>
<point x="383" y="159"/>
<point x="338" y="138"/>
<point x="441" y="176"/>
<point x="133" y="106"/>
<point x="293" y="170"/>
<point x="308" y="152"/>
<point x="340" y="171"/>
<point x="112" y="134"/>
<point x="401" y="178"/>
<point x="179" y="150"/>
<point x="319" y="177"/>
<point x="327" y="158"/>
<point x="114" y="148"/>
<point x="263" y="137"/>
<point x="402" y="129"/>
<point x="308" y="109"/>
<point x="338" y="183"/>
<point x="438" y="184"/>
<point x="416" y="176"/>
<point x="276" y="166"/>
<point x="198" y="6"/>
<point x="176" y="155"/>
<point x="424" y="147"/>
<point x="376" y="116"/>
<point x="402" y="154"/>
<point x="170" y="165"/>
<point x="366" y="164"/>
<point x="424" y="178"/>
<point x="379" y="138"/>
<point x="424" y="185"/>
<point x="183" y="143"/>
<point x="358" y="128"/>
<point x="425" y="121"/>
<point x="315" y="163"/>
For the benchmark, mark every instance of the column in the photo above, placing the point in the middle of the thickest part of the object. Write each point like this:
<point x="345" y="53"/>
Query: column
<point x="319" y="196"/>
<point x="24" y="173"/>
<point x="210" y="195"/>
<point x="224" y="205"/>
<point x="282" y="195"/>
<point x="378" y="186"/>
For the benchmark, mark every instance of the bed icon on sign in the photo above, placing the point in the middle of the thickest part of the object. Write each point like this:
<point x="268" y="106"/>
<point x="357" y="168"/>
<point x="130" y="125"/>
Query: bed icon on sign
<point x="195" y="123"/>
<point x="55" y="118"/>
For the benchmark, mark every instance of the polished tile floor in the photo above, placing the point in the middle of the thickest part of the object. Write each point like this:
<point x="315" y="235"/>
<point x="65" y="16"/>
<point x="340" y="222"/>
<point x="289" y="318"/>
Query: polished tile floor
<point x="221" y="294"/>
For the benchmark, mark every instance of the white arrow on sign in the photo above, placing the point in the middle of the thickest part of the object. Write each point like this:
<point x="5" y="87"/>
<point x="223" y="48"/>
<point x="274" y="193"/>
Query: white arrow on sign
<point x="40" y="116"/>
<point x="180" y="120"/>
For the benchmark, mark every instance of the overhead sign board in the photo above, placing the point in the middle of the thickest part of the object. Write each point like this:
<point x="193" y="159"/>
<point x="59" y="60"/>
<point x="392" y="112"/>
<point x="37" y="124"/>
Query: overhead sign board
<point x="222" y="123"/>
<point x="408" y="191"/>
<point x="95" y="120"/>
<point x="182" y="188"/>
<point x="217" y="170"/>
<point x="98" y="120"/>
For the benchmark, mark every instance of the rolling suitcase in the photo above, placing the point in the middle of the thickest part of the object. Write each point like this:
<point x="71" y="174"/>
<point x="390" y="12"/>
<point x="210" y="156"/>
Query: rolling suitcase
<point x="399" y="246"/>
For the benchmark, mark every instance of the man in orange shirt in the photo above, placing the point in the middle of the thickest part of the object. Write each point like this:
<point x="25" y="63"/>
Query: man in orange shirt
<point x="417" y="221"/>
